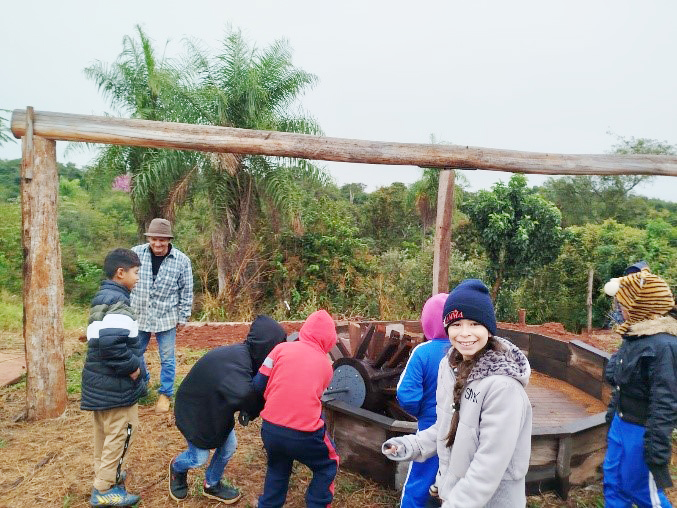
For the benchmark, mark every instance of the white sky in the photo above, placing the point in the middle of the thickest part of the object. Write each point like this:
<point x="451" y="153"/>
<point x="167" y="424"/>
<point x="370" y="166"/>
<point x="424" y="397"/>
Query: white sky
<point x="535" y="75"/>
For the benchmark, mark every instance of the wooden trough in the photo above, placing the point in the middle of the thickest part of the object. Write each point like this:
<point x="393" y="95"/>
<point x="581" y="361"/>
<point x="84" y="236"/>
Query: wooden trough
<point x="566" y="390"/>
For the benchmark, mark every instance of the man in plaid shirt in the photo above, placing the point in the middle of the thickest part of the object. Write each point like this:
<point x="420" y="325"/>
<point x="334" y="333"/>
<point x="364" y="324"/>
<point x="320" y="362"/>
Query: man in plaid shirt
<point x="162" y="300"/>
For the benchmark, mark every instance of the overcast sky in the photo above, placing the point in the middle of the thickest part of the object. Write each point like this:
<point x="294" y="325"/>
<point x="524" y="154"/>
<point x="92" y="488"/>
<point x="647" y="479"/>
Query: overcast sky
<point x="538" y="75"/>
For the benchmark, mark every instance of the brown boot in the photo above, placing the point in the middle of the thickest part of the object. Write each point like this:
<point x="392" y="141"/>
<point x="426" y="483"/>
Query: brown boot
<point x="162" y="405"/>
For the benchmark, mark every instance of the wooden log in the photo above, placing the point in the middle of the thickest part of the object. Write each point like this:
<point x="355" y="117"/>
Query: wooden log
<point x="442" y="247"/>
<point x="134" y="132"/>
<point x="46" y="395"/>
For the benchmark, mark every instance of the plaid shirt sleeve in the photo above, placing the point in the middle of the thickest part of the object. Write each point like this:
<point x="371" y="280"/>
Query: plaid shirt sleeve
<point x="167" y="300"/>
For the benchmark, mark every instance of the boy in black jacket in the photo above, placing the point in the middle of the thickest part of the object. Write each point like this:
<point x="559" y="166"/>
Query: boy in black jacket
<point x="112" y="381"/>
<point x="217" y="386"/>
<point x="643" y="410"/>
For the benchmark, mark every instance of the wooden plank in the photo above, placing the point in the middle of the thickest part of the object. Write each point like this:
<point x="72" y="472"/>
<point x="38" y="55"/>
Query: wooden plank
<point x="355" y="336"/>
<point x="378" y="342"/>
<point x="543" y="450"/>
<point x="400" y="356"/>
<point x="345" y="346"/>
<point x="442" y="244"/>
<point x="585" y="381"/>
<point x="520" y="339"/>
<point x="588" y="358"/>
<point x="548" y="366"/>
<point x="43" y="333"/>
<point x="387" y="353"/>
<point x="180" y="136"/>
<point x="588" y="470"/>
<point x="550" y="348"/>
<point x="363" y="346"/>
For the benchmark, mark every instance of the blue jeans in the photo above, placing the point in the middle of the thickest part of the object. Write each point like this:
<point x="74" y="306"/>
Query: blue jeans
<point x="627" y="479"/>
<point x="194" y="457"/>
<point x="314" y="449"/>
<point x="165" y="343"/>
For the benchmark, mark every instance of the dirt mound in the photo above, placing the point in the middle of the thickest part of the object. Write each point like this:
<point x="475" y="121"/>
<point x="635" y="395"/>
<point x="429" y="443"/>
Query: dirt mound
<point x="198" y="336"/>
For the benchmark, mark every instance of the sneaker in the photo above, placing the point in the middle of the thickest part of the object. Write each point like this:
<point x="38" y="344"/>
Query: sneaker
<point x="162" y="405"/>
<point x="178" y="483"/>
<point x="222" y="492"/>
<point x="115" y="496"/>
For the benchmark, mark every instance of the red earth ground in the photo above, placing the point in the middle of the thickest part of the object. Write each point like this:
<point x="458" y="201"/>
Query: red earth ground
<point x="198" y="336"/>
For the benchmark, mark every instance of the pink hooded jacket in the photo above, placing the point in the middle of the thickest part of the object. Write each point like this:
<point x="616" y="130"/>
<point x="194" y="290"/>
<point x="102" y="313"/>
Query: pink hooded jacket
<point x="298" y="374"/>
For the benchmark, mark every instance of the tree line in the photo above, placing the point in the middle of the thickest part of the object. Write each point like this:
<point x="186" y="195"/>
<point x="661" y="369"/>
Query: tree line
<point x="278" y="236"/>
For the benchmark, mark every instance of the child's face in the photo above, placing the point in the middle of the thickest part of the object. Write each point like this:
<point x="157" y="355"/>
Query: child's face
<point x="128" y="278"/>
<point x="468" y="337"/>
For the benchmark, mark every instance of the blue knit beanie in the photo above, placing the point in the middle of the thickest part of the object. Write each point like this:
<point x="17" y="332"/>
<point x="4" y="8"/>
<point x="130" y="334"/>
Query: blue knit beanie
<point x="470" y="300"/>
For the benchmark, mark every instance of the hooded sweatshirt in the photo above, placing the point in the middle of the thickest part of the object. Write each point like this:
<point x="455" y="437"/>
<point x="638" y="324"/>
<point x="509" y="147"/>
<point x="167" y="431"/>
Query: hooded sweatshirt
<point x="219" y="384"/>
<point x="488" y="462"/>
<point x="298" y="374"/>
<point x="418" y="382"/>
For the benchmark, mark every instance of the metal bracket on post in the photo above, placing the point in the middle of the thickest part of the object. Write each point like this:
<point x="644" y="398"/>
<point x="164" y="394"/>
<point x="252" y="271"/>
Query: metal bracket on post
<point x="28" y="145"/>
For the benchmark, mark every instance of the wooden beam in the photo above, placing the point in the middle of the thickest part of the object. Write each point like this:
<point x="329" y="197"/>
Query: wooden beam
<point x="46" y="395"/>
<point x="180" y="136"/>
<point x="442" y="247"/>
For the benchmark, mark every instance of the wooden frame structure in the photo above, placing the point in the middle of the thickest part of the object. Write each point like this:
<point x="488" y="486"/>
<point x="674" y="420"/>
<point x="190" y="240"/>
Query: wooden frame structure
<point x="43" y="282"/>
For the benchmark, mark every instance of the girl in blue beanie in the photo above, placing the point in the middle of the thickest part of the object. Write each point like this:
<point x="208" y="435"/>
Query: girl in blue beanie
<point x="482" y="434"/>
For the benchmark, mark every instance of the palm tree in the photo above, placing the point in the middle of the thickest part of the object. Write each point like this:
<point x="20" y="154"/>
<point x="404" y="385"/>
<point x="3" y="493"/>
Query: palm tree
<point x="239" y="87"/>
<point x="253" y="89"/>
<point x="140" y="85"/>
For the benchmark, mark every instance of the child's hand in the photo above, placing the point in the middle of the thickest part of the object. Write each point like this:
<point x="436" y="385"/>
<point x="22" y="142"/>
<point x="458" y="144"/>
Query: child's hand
<point x="390" y="449"/>
<point x="135" y="375"/>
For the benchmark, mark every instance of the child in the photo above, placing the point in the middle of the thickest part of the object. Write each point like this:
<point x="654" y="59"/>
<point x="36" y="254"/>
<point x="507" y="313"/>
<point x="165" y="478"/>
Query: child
<point x="416" y="395"/>
<point x="112" y="381"/>
<point x="483" y="430"/>
<point x="217" y="386"/>
<point x="292" y="379"/>
<point x="644" y="407"/>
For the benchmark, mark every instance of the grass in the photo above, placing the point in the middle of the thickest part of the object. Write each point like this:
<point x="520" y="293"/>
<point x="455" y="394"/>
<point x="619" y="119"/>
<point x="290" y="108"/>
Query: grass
<point x="11" y="314"/>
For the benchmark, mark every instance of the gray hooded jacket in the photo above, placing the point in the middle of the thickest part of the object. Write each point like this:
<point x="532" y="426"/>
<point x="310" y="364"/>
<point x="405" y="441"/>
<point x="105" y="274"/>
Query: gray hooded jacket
<point x="488" y="463"/>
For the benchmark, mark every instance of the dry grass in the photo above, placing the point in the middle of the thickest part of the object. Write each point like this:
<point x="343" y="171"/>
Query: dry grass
<point x="48" y="463"/>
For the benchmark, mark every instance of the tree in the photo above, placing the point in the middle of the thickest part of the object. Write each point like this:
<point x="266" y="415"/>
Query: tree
<point x="518" y="229"/>
<point x="253" y="89"/>
<point x="389" y="217"/>
<point x="4" y="130"/>
<point x="584" y="199"/>
<point x="142" y="86"/>
<point x="239" y="87"/>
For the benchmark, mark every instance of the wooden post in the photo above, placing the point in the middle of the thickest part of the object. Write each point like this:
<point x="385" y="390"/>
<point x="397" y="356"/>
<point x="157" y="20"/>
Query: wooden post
<point x="445" y="207"/>
<point x="46" y="395"/>
<point x="591" y="274"/>
<point x="563" y="466"/>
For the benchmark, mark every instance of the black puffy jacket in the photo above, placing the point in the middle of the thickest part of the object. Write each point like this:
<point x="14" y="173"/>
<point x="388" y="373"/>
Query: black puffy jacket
<point x="219" y="384"/>
<point x="113" y="352"/>
<point x="643" y="373"/>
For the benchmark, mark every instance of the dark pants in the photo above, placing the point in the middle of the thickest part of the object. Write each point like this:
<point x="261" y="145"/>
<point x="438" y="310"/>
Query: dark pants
<point x="314" y="449"/>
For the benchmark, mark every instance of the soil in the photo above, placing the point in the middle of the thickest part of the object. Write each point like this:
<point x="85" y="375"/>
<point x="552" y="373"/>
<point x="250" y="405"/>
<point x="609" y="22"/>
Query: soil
<point x="48" y="463"/>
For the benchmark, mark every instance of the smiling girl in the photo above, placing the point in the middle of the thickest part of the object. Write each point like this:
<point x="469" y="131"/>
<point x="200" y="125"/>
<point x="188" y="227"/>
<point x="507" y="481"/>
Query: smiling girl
<point x="483" y="430"/>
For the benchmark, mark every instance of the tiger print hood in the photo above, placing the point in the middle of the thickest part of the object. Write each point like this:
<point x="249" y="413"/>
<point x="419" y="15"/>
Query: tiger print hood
<point x="511" y="362"/>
